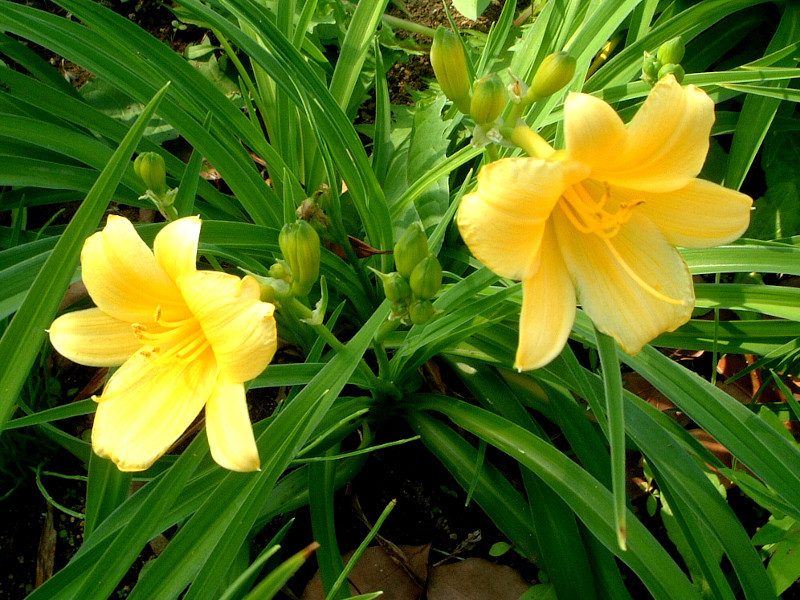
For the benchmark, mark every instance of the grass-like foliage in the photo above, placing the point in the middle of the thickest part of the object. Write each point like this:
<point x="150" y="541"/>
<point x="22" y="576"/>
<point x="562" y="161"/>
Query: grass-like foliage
<point x="270" y="103"/>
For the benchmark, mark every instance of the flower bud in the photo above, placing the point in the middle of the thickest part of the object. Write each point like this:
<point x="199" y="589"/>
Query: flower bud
<point x="555" y="72"/>
<point x="671" y="52"/>
<point x="421" y="311"/>
<point x="426" y="278"/>
<point x="278" y="270"/>
<point x="299" y="243"/>
<point x="672" y="69"/>
<point x="450" y="66"/>
<point x="411" y="248"/>
<point x="650" y="67"/>
<point x="150" y="167"/>
<point x="488" y="99"/>
<point x="399" y="310"/>
<point x="395" y="287"/>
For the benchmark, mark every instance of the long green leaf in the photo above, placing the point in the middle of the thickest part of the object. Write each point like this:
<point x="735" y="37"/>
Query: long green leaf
<point x="591" y="502"/>
<point x="354" y="50"/>
<point x="758" y="111"/>
<point x="27" y="331"/>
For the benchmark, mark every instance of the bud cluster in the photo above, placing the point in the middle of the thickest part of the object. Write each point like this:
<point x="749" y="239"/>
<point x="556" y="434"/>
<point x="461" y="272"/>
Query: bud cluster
<point x="486" y="98"/>
<point x="666" y="61"/>
<point x="417" y="280"/>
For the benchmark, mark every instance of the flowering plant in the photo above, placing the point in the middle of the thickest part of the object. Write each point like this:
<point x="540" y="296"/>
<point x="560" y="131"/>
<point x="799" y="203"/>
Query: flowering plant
<point x="563" y="197"/>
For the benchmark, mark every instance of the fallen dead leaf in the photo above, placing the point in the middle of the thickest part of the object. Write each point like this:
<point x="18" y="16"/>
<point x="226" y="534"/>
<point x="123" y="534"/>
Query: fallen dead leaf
<point x="376" y="571"/>
<point x="475" y="579"/>
<point x="45" y="560"/>
<point x="638" y="385"/>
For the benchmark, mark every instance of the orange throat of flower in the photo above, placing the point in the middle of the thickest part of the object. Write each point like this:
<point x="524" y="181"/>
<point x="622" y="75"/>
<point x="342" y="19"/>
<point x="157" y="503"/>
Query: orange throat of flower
<point x="592" y="216"/>
<point x="168" y="341"/>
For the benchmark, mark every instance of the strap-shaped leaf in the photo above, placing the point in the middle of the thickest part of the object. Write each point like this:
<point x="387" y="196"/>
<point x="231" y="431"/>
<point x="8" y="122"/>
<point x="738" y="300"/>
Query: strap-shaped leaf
<point x="27" y="331"/>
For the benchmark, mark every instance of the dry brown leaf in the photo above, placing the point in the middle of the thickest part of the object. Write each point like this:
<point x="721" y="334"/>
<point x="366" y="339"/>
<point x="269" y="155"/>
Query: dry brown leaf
<point x="638" y="385"/>
<point x="376" y="571"/>
<point x="45" y="560"/>
<point x="475" y="579"/>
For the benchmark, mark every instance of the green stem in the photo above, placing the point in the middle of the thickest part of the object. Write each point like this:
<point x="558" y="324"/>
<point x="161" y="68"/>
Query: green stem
<point x="530" y="141"/>
<point x="612" y="383"/>
<point x="399" y="23"/>
<point x="301" y="311"/>
<point x="409" y="26"/>
<point x="383" y="359"/>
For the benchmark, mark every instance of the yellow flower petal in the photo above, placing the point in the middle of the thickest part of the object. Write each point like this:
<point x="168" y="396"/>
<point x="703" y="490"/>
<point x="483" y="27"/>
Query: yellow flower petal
<point x="145" y="409"/>
<point x="175" y="247"/>
<point x="592" y="129"/>
<point x="230" y="434"/>
<point x="503" y="220"/>
<point x="123" y="278"/>
<point x="238" y="325"/>
<point x="548" y="309"/>
<point x="90" y="337"/>
<point x="633" y="286"/>
<point x="700" y="215"/>
<point x="665" y="145"/>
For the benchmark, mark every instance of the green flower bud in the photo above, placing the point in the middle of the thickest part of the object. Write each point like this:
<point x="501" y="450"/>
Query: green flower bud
<point x="673" y="69"/>
<point x="411" y="248"/>
<point x="399" y="310"/>
<point x="671" y="52"/>
<point x="150" y="167"/>
<point x="426" y="278"/>
<point x="450" y="66"/>
<point x="650" y="66"/>
<point x="488" y="99"/>
<point x="421" y="311"/>
<point x="395" y="287"/>
<point x="279" y="270"/>
<point x="299" y="243"/>
<point x="555" y="72"/>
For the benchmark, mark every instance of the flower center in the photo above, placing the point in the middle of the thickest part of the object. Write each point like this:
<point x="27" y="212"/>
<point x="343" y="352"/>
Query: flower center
<point x="588" y="215"/>
<point x="182" y="340"/>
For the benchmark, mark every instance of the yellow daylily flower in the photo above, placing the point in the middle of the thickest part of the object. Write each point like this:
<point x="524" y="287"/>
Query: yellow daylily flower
<point x="182" y="339"/>
<point x="599" y="221"/>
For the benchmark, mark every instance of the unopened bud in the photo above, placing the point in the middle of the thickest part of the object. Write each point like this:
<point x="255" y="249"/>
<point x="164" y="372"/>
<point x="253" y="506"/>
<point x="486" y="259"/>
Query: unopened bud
<point x="399" y="310"/>
<point x="279" y="270"/>
<point x="650" y="67"/>
<point x="450" y="66"/>
<point x="555" y="72"/>
<point x="488" y="99"/>
<point x="426" y="278"/>
<point x="299" y="244"/>
<point x="395" y="287"/>
<point x="421" y="311"/>
<point x="150" y="167"/>
<point x="672" y="69"/>
<point x="671" y="52"/>
<point x="411" y="248"/>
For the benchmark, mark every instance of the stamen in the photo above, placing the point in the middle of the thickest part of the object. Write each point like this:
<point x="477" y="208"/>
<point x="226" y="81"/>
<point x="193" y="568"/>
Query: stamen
<point x="182" y="340"/>
<point x="590" y="216"/>
<point x="635" y="276"/>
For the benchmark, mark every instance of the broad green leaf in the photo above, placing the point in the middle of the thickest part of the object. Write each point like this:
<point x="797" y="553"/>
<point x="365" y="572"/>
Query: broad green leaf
<point x="472" y="9"/>
<point x="420" y="143"/>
